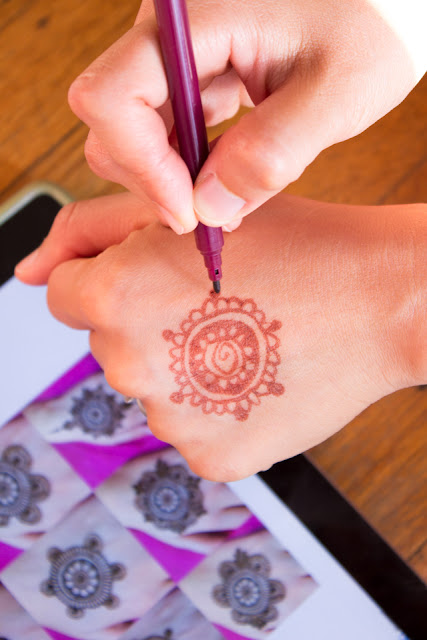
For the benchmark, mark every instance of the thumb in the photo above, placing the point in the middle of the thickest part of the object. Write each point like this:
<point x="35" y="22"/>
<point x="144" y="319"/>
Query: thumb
<point x="268" y="148"/>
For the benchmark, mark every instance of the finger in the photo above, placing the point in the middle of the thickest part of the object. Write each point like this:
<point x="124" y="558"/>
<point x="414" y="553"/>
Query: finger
<point x="73" y="295"/>
<point x="119" y="97"/>
<point x="101" y="163"/>
<point x="223" y="98"/>
<point x="266" y="150"/>
<point x="85" y="228"/>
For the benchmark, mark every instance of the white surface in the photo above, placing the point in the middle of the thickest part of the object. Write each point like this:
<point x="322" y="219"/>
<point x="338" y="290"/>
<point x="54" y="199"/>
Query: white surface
<point x="339" y="608"/>
<point x="35" y="349"/>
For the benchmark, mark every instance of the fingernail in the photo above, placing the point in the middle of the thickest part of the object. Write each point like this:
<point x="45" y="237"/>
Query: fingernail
<point x="167" y="218"/>
<point x="234" y="224"/>
<point x="214" y="203"/>
<point x="27" y="262"/>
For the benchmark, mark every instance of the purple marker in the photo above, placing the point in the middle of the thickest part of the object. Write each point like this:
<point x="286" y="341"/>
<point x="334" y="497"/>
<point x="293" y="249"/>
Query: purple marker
<point x="175" y="41"/>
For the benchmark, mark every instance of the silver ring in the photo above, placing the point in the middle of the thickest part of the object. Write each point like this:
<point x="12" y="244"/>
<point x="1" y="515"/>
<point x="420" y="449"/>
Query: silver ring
<point x="141" y="407"/>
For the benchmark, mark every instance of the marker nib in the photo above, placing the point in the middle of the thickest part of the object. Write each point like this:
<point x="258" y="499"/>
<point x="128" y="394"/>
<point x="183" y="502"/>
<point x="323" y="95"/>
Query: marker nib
<point x="216" y="286"/>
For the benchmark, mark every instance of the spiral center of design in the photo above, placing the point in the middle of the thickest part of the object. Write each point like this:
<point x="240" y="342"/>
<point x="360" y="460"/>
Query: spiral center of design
<point x="224" y="358"/>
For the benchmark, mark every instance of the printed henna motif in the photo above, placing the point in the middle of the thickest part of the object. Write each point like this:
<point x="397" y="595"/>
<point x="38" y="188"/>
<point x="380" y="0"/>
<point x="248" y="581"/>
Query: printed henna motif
<point x="20" y="489"/>
<point x="169" y="497"/>
<point x="225" y="357"/>
<point x="81" y="577"/>
<point x="248" y="590"/>
<point x="96" y="412"/>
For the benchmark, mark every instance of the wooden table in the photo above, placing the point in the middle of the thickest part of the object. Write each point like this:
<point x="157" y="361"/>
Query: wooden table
<point x="379" y="460"/>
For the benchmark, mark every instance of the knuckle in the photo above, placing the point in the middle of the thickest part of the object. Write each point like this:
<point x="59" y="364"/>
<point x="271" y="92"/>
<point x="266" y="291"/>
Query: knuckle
<point x="89" y="301"/>
<point x="81" y="95"/>
<point x="275" y="170"/>
<point x="117" y="377"/>
<point x="267" y="164"/>
<point x="97" y="158"/>
<point x="96" y="297"/>
<point x="91" y="150"/>
<point x="162" y="430"/>
<point x="123" y="371"/>
<point x="64" y="218"/>
<point x="219" y="467"/>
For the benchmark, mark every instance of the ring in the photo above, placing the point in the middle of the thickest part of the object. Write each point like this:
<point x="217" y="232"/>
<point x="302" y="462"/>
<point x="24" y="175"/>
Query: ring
<point x="141" y="407"/>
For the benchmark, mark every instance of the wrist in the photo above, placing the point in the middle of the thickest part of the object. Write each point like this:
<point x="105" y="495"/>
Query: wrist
<point x="404" y="265"/>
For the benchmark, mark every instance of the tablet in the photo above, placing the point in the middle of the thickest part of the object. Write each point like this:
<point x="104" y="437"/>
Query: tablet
<point x="105" y="533"/>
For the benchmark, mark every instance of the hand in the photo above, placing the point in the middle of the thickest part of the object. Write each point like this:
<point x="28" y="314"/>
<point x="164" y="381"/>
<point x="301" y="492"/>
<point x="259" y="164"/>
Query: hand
<point x="321" y="313"/>
<point x="317" y="72"/>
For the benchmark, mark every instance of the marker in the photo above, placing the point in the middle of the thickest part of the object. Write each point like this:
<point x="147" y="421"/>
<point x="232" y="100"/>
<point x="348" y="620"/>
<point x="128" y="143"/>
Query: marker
<point x="178" y="57"/>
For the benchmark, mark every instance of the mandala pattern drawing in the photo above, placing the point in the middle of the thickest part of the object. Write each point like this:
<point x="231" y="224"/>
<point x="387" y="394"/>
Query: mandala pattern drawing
<point x="20" y="490"/>
<point x="225" y="357"/>
<point x="169" y="496"/>
<point x="81" y="577"/>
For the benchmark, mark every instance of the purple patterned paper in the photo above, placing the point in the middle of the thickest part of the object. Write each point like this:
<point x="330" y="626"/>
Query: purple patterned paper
<point x="111" y="460"/>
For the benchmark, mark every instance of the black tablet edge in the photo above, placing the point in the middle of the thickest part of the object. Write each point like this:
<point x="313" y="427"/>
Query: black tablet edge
<point x="21" y="233"/>
<point x="398" y="591"/>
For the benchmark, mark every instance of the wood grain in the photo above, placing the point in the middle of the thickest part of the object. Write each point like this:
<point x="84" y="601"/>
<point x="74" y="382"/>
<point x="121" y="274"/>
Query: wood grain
<point x="378" y="461"/>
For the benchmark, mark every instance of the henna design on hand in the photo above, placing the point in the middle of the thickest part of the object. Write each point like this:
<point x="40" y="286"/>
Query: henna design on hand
<point x="225" y="357"/>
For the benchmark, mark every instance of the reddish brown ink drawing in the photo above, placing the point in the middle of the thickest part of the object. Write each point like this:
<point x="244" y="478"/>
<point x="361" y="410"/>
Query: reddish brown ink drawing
<point x="225" y="357"/>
